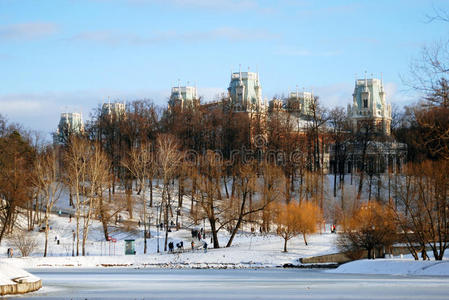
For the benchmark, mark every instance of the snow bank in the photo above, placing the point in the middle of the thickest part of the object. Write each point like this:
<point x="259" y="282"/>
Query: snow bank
<point x="11" y="275"/>
<point x="395" y="267"/>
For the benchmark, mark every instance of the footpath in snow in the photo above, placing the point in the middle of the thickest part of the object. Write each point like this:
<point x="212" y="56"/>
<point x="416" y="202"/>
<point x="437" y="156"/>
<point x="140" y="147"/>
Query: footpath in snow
<point x="395" y="267"/>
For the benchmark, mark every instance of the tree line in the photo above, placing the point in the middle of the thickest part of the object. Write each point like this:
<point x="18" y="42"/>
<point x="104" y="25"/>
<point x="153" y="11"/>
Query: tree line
<point x="241" y="170"/>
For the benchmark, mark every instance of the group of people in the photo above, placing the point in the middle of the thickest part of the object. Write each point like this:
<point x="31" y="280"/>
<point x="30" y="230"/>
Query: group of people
<point x="198" y="234"/>
<point x="171" y="246"/>
<point x="204" y="246"/>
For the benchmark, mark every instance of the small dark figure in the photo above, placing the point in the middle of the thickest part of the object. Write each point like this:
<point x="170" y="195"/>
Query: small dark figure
<point x="56" y="238"/>
<point x="199" y="236"/>
<point x="139" y="223"/>
<point x="8" y="252"/>
<point x="70" y="218"/>
<point x="170" y="247"/>
<point x="205" y="247"/>
<point x="193" y="245"/>
<point x="180" y="245"/>
<point x="57" y="242"/>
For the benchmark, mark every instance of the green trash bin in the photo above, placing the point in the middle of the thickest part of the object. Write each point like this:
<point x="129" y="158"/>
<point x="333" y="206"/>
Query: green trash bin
<point x="130" y="247"/>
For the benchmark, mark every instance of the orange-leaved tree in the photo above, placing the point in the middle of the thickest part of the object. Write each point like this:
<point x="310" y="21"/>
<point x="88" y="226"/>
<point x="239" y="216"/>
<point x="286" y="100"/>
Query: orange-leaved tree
<point x="371" y="227"/>
<point x="293" y="219"/>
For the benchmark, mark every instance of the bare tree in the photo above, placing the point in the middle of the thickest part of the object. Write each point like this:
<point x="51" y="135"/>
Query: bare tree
<point x="97" y="179"/>
<point x="169" y="158"/>
<point x="75" y="174"/>
<point x="340" y="137"/>
<point x="423" y="201"/>
<point x="25" y="242"/>
<point x="140" y="163"/>
<point x="48" y="183"/>
<point x="16" y="163"/>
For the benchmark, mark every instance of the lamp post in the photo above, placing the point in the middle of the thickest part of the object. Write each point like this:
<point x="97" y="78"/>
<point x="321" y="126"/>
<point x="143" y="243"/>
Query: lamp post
<point x="157" y="226"/>
<point x="178" y="213"/>
<point x="73" y="243"/>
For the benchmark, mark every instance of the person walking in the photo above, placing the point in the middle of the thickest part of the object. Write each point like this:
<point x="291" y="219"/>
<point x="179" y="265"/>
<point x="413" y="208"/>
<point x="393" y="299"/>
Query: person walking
<point x="205" y="247"/>
<point x="193" y="246"/>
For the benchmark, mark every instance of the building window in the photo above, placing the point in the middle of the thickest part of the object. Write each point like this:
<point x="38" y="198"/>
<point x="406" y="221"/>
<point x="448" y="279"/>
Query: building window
<point x="365" y="103"/>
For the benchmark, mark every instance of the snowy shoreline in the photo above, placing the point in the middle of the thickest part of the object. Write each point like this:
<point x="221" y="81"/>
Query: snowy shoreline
<point x="175" y="261"/>
<point x="406" y="267"/>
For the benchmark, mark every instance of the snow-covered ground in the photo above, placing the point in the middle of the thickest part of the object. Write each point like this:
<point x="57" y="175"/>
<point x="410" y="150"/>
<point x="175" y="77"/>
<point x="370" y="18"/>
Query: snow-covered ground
<point x="395" y="267"/>
<point x="247" y="251"/>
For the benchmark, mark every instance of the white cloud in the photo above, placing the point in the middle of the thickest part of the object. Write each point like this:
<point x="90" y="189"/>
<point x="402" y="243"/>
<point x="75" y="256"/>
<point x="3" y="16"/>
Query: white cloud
<point x="296" y="51"/>
<point x="27" y="31"/>
<point x="219" y="5"/>
<point x="231" y="34"/>
<point x="41" y="111"/>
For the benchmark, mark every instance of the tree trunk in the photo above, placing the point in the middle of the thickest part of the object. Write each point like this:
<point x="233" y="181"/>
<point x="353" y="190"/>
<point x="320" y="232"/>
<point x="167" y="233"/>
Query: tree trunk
<point x="166" y="227"/>
<point x="46" y="234"/>
<point x="239" y="221"/>
<point x="151" y="192"/>
<point x="285" y="245"/>
<point x="144" y="218"/>
<point x="7" y="220"/>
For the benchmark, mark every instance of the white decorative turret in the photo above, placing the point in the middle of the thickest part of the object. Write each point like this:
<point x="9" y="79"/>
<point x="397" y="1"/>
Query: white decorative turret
<point x="369" y="103"/>
<point x="184" y="96"/>
<point x="245" y="92"/>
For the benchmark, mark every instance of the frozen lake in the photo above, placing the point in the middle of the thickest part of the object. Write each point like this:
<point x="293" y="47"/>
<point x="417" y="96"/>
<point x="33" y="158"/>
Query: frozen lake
<point x="231" y="284"/>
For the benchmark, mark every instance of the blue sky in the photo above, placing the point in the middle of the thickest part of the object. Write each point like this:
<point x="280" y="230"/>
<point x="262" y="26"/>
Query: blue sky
<point x="71" y="55"/>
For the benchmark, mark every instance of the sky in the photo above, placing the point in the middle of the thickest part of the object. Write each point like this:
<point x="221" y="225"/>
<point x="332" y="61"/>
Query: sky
<point x="72" y="55"/>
